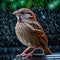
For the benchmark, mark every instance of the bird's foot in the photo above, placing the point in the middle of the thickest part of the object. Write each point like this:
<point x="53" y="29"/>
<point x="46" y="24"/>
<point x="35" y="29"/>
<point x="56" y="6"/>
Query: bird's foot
<point x="29" y="55"/>
<point x="25" y="55"/>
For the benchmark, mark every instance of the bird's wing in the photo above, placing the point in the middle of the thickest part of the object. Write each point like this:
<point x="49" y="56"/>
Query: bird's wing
<point x="41" y="34"/>
<point x="38" y="31"/>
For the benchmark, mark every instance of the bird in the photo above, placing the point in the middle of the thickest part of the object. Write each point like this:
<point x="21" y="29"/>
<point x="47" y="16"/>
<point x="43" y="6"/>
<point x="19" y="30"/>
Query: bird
<point x="30" y="33"/>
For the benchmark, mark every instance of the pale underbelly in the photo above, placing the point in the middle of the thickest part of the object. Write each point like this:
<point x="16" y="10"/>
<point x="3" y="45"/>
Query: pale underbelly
<point x="25" y="35"/>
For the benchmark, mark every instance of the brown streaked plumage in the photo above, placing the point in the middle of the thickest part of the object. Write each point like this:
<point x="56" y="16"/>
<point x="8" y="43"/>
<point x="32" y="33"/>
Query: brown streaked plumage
<point x="30" y="32"/>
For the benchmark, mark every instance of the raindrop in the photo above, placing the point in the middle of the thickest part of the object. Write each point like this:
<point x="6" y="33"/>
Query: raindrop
<point x="43" y="16"/>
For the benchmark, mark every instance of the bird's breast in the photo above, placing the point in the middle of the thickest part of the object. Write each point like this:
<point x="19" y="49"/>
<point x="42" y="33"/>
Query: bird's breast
<point x="23" y="33"/>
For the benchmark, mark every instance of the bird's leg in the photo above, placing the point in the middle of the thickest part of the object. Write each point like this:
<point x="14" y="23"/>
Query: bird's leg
<point x="31" y="53"/>
<point x="24" y="52"/>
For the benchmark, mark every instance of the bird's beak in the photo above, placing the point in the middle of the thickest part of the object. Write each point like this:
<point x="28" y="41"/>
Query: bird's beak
<point x="15" y="13"/>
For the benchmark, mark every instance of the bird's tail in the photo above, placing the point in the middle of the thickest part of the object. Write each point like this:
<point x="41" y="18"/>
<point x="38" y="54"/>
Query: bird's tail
<point x="47" y="51"/>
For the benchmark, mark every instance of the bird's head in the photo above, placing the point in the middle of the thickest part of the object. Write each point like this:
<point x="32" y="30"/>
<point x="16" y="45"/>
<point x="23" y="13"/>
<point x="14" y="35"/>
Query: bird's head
<point x="24" y="14"/>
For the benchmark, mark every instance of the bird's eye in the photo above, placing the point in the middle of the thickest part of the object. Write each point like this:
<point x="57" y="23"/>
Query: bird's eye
<point x="22" y="12"/>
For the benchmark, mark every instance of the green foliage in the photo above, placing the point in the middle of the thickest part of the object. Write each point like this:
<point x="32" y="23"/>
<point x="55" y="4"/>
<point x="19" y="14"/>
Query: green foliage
<point x="54" y="4"/>
<point x="16" y="4"/>
<point x="21" y="4"/>
<point x="4" y="6"/>
<point x="40" y="3"/>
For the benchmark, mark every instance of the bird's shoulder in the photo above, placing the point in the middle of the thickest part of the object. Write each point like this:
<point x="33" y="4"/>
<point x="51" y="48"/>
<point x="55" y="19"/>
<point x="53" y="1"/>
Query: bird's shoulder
<point x="34" y="24"/>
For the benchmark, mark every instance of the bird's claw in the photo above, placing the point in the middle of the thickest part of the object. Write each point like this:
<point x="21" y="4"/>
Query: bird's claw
<point x="29" y="55"/>
<point x="25" y="55"/>
<point x="21" y="55"/>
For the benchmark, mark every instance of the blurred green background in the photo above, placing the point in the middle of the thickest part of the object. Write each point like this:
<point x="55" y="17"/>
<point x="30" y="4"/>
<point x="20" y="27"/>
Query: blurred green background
<point x="16" y="4"/>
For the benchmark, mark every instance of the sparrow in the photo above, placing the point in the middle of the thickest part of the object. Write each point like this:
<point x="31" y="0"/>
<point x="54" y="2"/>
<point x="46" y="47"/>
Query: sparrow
<point x="30" y="32"/>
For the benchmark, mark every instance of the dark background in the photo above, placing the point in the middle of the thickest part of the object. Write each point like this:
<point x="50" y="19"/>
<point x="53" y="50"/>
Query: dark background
<point x="48" y="17"/>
